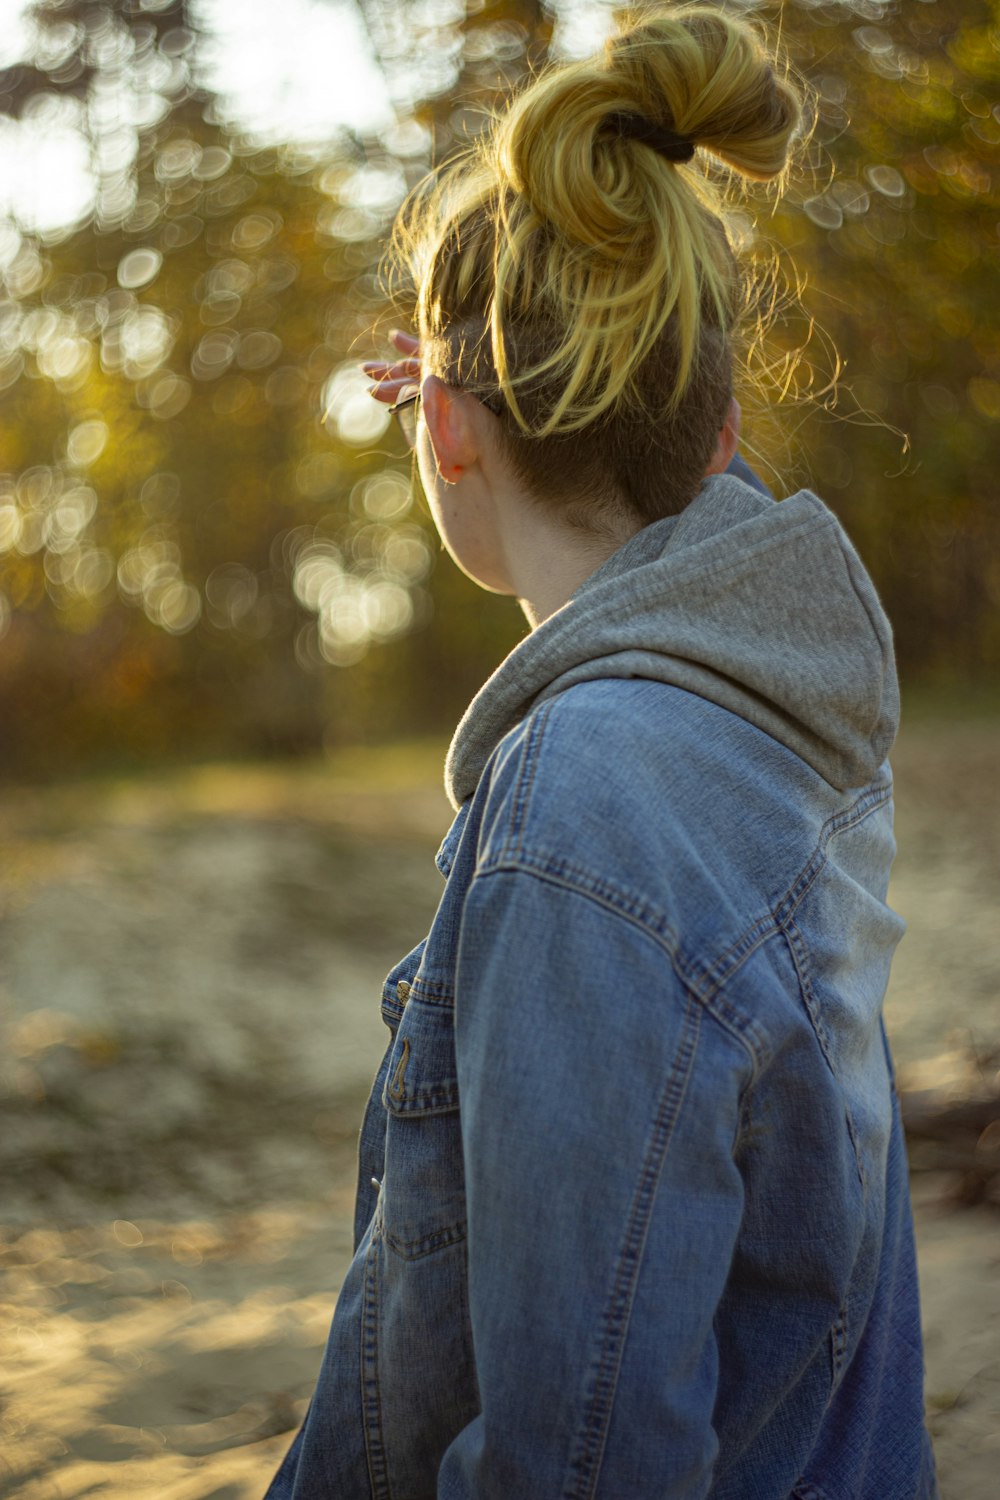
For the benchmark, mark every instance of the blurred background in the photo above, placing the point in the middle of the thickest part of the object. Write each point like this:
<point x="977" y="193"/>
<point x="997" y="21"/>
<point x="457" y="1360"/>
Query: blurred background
<point x="232" y="650"/>
<point x="194" y="559"/>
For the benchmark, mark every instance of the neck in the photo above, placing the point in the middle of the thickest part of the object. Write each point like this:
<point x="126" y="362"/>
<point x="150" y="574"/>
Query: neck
<point x="547" y="582"/>
<point x="547" y="559"/>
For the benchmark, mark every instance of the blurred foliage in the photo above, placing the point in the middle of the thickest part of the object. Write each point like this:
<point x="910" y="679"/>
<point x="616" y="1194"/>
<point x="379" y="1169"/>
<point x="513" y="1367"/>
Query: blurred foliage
<point x="208" y="539"/>
<point x="900" y="248"/>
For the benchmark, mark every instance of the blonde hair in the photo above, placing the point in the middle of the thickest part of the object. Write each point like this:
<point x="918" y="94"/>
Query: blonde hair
<point x="567" y="266"/>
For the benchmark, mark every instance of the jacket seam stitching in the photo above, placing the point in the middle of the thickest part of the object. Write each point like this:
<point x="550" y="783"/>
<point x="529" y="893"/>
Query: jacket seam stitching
<point x="799" y="952"/>
<point x="525" y="779"/>
<point x="711" y="980"/>
<point x="583" y="1469"/>
<point x="849" y="817"/>
<point x="536" y="720"/>
<point x="426" y="1244"/>
<point x="708" y="983"/>
<point x="705" y="984"/>
<point x="374" y="1425"/>
<point x="743" y="1027"/>
<point x="444" y="859"/>
<point x="578" y="878"/>
<point x="439" y="992"/>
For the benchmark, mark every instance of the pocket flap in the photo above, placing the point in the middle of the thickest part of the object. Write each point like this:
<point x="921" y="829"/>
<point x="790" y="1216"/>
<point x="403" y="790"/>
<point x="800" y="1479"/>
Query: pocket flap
<point x="397" y="985"/>
<point x="422" y="1078"/>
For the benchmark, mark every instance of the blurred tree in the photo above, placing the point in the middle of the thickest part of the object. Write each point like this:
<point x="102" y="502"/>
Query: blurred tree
<point x="207" y="537"/>
<point x="900" y="246"/>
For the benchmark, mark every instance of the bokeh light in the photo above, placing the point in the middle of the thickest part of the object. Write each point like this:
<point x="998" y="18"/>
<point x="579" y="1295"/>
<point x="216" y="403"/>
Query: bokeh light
<point x="202" y="308"/>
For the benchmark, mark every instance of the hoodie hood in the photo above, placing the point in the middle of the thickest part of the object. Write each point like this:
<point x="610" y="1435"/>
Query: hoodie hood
<point x="762" y="607"/>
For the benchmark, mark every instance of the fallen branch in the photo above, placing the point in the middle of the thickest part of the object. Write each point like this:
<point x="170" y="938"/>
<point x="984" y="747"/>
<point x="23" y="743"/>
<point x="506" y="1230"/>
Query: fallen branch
<point x="959" y="1134"/>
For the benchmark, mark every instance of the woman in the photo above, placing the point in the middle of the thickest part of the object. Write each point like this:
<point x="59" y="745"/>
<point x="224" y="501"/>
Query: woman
<point x="632" y="1217"/>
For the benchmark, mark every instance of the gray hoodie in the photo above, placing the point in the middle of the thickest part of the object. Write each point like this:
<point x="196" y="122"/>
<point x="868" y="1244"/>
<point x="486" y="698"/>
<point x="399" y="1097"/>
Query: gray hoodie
<point x="761" y="607"/>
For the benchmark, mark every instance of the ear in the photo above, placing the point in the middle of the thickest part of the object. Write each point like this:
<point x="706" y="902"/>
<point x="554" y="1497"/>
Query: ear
<point x="447" y="419"/>
<point x="729" y="437"/>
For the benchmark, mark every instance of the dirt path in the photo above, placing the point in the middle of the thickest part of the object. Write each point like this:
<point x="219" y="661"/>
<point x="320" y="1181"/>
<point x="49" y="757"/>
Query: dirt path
<point x="189" y="971"/>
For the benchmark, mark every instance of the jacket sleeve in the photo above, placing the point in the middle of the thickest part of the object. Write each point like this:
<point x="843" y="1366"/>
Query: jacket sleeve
<point x="599" y="1115"/>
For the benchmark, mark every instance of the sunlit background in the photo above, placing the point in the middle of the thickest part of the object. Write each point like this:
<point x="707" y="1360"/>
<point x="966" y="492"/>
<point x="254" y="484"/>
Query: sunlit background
<point x="231" y="650"/>
<point x="208" y="540"/>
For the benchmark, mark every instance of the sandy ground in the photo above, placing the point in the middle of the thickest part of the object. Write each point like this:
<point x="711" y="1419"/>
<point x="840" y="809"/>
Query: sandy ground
<point x="189" y="975"/>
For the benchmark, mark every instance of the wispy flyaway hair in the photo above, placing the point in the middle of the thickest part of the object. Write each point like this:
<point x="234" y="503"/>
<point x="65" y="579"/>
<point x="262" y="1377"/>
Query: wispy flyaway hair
<point x="569" y="263"/>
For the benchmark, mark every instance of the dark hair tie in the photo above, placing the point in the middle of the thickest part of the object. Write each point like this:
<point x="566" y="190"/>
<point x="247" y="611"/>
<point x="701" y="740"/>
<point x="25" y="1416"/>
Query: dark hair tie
<point x="676" y="148"/>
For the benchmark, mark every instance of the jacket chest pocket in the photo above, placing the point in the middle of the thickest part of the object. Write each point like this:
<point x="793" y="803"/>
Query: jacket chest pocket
<point x="421" y="1204"/>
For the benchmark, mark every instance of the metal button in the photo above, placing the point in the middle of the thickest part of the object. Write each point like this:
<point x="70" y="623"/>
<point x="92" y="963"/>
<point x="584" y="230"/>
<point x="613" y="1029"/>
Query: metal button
<point x="376" y="1185"/>
<point x="403" y="991"/>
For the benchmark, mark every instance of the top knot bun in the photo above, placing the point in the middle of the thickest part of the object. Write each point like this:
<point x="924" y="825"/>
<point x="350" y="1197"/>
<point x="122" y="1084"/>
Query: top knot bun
<point x="692" y="71"/>
<point x="576" y="258"/>
<point x="707" y="75"/>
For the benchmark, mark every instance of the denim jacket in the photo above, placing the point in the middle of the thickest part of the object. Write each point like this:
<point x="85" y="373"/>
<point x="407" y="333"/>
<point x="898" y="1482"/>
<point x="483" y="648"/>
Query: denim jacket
<point x="632" y="1218"/>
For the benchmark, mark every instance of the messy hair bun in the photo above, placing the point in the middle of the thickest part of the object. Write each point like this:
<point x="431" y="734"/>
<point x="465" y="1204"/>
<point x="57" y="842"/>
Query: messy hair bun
<point x="575" y="258"/>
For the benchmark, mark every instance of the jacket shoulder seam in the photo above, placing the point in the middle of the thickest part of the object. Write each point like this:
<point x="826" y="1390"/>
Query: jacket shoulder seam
<point x="653" y="925"/>
<point x="874" y="796"/>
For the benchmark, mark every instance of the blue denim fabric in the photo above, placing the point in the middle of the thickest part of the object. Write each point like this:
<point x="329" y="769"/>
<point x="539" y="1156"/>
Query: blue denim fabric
<point x="665" y="1247"/>
<point x="632" y="1216"/>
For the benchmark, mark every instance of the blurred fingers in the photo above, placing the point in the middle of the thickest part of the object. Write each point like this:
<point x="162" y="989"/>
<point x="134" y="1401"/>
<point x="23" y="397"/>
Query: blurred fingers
<point x="404" y="342"/>
<point x="393" y="377"/>
<point x="391" y="390"/>
<point x="400" y="369"/>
